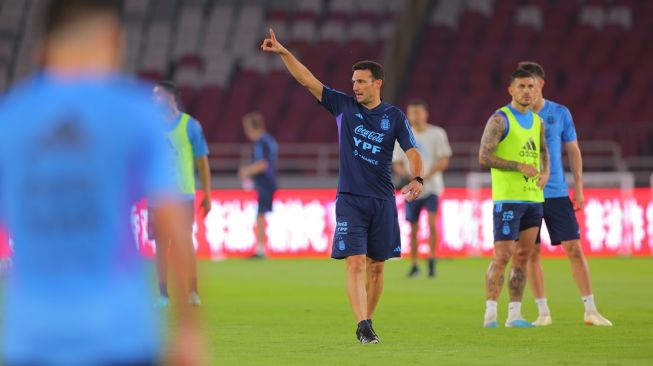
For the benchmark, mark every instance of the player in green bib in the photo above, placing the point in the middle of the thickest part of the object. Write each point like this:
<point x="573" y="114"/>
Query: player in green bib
<point x="187" y="149"/>
<point x="514" y="148"/>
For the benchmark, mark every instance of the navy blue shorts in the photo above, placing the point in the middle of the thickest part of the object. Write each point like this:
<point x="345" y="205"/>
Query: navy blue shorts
<point x="511" y="218"/>
<point x="414" y="208"/>
<point x="366" y="225"/>
<point x="560" y="220"/>
<point x="265" y="201"/>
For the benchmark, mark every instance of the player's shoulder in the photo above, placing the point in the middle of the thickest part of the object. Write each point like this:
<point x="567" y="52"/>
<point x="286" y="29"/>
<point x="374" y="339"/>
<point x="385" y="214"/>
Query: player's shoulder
<point x="336" y="92"/>
<point x="557" y="108"/>
<point x="24" y="91"/>
<point x="391" y="109"/>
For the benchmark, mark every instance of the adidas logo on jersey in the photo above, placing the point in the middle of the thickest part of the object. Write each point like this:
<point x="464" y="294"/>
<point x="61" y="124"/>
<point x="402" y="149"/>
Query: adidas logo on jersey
<point x="529" y="149"/>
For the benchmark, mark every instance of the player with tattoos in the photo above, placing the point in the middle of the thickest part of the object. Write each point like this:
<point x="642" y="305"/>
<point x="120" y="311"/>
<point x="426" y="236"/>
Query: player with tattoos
<point x="514" y="148"/>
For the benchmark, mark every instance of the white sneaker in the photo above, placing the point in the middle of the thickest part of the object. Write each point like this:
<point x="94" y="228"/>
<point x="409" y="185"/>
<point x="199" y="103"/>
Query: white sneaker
<point x="519" y="323"/>
<point x="594" y="318"/>
<point x="543" y="320"/>
<point x="194" y="299"/>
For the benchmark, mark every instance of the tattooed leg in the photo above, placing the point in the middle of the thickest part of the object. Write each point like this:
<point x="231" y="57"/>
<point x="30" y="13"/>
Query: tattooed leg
<point x="517" y="280"/>
<point x="495" y="274"/>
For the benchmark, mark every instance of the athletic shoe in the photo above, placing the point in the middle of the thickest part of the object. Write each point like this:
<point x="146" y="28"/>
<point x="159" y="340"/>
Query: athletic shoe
<point x="519" y="323"/>
<point x="543" y="320"/>
<point x="365" y="334"/>
<point x="414" y="271"/>
<point x="594" y="318"/>
<point x="492" y="324"/>
<point x="194" y="299"/>
<point x="432" y="267"/>
<point x="373" y="331"/>
<point x="162" y="302"/>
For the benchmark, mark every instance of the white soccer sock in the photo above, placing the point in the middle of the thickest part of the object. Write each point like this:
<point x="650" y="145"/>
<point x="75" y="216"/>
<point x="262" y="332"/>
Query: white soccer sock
<point x="514" y="311"/>
<point x="542" y="307"/>
<point x="490" y="311"/>
<point x="260" y="249"/>
<point x="588" y="301"/>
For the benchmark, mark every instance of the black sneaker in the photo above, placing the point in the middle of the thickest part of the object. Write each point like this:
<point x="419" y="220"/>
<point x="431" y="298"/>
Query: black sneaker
<point x="373" y="331"/>
<point x="414" y="271"/>
<point x="432" y="267"/>
<point x="364" y="333"/>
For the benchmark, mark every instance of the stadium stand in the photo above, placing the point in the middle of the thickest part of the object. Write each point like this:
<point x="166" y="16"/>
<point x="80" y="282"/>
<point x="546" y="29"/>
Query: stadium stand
<point x="459" y="62"/>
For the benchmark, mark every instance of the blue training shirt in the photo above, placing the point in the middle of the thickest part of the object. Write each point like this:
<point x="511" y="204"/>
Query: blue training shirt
<point x="266" y="149"/>
<point x="559" y="128"/>
<point x="367" y="138"/>
<point x="75" y="156"/>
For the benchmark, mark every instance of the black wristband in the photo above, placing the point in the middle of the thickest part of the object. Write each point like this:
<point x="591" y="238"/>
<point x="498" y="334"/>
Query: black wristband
<point x="419" y="180"/>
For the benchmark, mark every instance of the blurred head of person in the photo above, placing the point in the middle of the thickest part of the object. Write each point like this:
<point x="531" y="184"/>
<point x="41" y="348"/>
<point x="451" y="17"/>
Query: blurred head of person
<point x="536" y="70"/>
<point x="82" y="36"/>
<point x="522" y="88"/>
<point x="417" y="113"/>
<point x="167" y="96"/>
<point x="254" y="126"/>
<point x="367" y="82"/>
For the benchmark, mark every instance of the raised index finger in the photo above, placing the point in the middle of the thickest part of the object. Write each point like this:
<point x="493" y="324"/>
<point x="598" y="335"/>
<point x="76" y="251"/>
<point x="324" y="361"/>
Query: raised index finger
<point x="274" y="38"/>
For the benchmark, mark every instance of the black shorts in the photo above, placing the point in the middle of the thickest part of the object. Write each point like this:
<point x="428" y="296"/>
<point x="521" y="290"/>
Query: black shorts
<point x="265" y="197"/>
<point x="189" y="219"/>
<point x="512" y="218"/>
<point x="560" y="220"/>
<point x="366" y="225"/>
<point x="414" y="208"/>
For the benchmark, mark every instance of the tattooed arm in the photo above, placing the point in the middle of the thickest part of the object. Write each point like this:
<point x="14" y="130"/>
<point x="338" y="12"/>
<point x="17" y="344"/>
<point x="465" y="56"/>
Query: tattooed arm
<point x="544" y="159"/>
<point x="494" y="128"/>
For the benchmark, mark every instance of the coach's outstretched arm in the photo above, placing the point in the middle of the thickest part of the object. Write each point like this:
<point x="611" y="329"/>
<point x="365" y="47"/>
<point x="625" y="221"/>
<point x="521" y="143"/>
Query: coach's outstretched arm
<point x="491" y="138"/>
<point x="296" y="68"/>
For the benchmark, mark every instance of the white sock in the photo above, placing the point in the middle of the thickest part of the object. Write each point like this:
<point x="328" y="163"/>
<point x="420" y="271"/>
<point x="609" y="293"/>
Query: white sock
<point x="542" y="307"/>
<point x="514" y="311"/>
<point x="588" y="301"/>
<point x="490" y="311"/>
<point x="260" y="249"/>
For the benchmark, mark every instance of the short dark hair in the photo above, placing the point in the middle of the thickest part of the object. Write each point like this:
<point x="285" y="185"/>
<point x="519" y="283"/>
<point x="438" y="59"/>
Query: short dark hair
<point x="60" y="13"/>
<point x="418" y="102"/>
<point x="375" y="68"/>
<point x="255" y="120"/>
<point x="170" y="87"/>
<point x="532" y="67"/>
<point x="519" y="74"/>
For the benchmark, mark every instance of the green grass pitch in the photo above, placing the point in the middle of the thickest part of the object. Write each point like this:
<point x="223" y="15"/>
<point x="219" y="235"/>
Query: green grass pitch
<point x="295" y="312"/>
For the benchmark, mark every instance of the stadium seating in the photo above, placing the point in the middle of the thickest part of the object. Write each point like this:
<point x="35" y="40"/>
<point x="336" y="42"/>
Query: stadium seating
<point x="461" y="60"/>
<point x="589" y="50"/>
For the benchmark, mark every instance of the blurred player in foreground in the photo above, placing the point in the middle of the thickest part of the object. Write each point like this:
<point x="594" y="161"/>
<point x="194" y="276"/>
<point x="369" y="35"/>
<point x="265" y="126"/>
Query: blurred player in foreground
<point x="263" y="170"/>
<point x="433" y="145"/>
<point x="188" y="149"/>
<point x="514" y="147"/>
<point x="367" y="228"/>
<point x="558" y="208"/>
<point x="87" y="148"/>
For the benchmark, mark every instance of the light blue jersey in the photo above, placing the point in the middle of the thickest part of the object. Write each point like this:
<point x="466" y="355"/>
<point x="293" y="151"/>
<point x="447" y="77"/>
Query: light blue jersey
<point x="560" y="129"/>
<point x="75" y="155"/>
